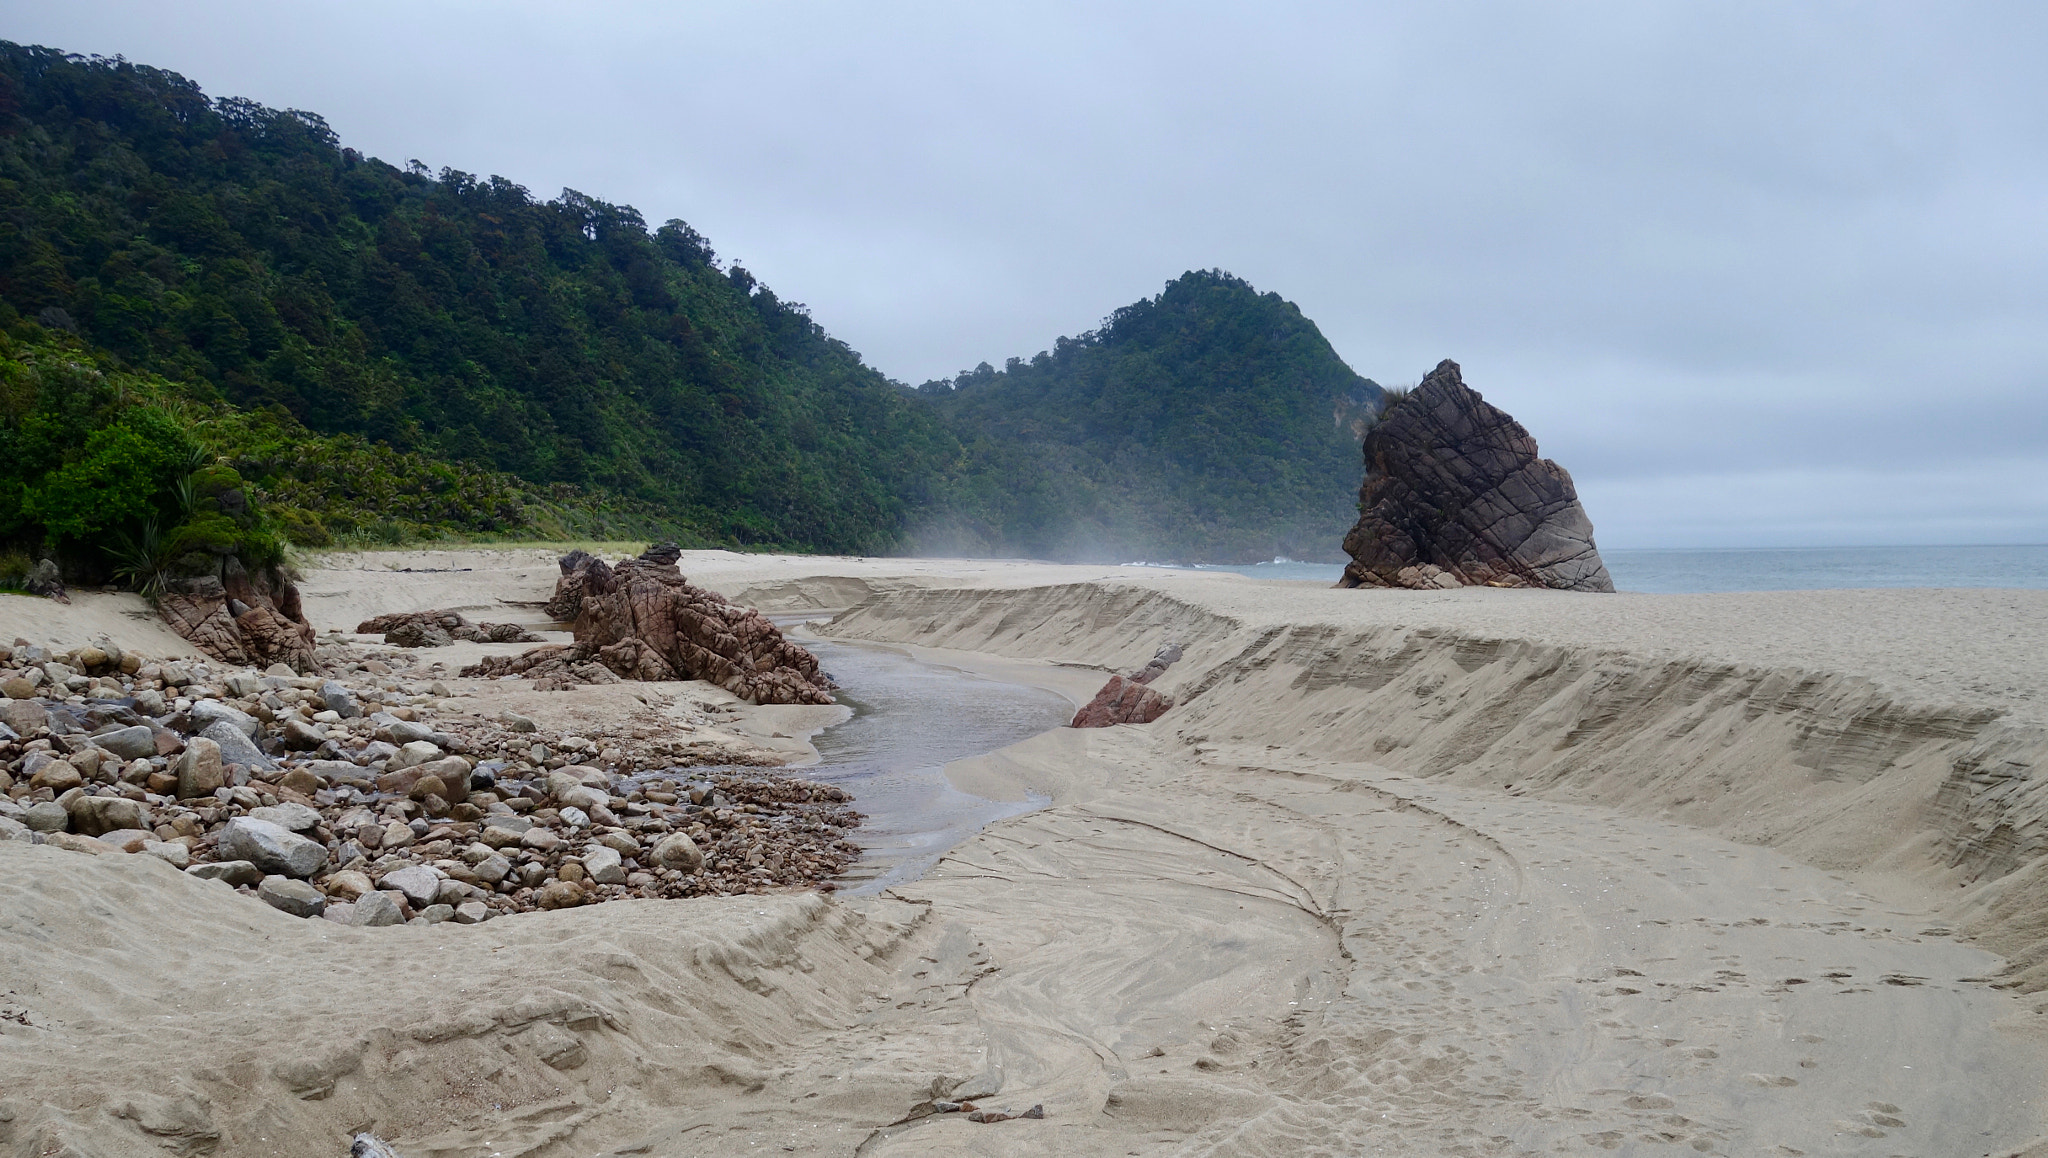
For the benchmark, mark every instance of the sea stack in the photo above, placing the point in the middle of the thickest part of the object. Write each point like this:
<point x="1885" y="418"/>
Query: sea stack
<point x="1455" y="495"/>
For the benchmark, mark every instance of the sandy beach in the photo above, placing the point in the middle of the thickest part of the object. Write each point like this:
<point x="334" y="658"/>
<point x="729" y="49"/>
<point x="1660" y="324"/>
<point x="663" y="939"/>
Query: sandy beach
<point x="1476" y="872"/>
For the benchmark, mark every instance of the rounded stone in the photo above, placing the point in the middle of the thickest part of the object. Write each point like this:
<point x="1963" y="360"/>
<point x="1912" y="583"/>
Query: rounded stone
<point x="271" y="847"/>
<point x="291" y="896"/>
<point x="677" y="851"/>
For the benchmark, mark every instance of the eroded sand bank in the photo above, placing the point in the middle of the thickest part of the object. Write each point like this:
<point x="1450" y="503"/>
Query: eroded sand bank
<point x="1482" y="872"/>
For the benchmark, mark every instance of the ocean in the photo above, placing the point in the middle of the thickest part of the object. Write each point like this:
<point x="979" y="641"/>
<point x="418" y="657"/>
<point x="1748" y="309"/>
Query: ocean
<point x="1765" y="568"/>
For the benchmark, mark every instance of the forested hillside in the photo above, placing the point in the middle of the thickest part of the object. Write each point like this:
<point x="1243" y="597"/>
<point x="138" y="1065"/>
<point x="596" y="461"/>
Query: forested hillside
<point x="191" y="285"/>
<point x="1211" y="423"/>
<point x="235" y="246"/>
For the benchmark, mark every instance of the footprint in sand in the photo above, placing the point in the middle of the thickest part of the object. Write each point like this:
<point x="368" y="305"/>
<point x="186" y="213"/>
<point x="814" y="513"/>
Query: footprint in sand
<point x="1770" y="1080"/>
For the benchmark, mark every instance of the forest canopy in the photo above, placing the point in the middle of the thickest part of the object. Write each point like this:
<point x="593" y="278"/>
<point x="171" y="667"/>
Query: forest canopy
<point x="384" y="353"/>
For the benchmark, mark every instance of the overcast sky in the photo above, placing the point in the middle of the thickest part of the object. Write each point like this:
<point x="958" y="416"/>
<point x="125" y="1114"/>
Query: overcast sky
<point x="1757" y="274"/>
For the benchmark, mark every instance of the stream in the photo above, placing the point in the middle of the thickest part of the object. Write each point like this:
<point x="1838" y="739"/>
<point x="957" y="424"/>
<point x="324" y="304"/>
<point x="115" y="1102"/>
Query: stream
<point x="910" y="719"/>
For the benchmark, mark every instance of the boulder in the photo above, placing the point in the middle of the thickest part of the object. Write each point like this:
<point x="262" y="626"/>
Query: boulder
<point x="559" y="895"/>
<point x="240" y="618"/>
<point x="234" y="872"/>
<point x="88" y="759"/>
<point x="300" y="736"/>
<point x="1122" y="701"/>
<point x="414" y="754"/>
<point x="1455" y="494"/>
<point x="59" y="776"/>
<point x="199" y="769"/>
<point x="440" y="628"/>
<point x="46" y="817"/>
<point x="642" y="620"/>
<point x="288" y="816"/>
<point x="492" y="869"/>
<point x="406" y="732"/>
<point x="604" y="865"/>
<point x="126" y="839"/>
<point x="349" y="885"/>
<point x="236" y="748"/>
<point x="137" y="742"/>
<point x="418" y="883"/>
<point x="339" y="701"/>
<point x="677" y="851"/>
<point x="371" y="910"/>
<point x="207" y="712"/>
<point x="338" y="772"/>
<point x="99" y="815"/>
<point x="291" y="896"/>
<point x="271" y="847"/>
<point x="24" y="715"/>
<point x="12" y="829"/>
<point x="72" y="842"/>
<point x="45" y="580"/>
<point x="170" y="852"/>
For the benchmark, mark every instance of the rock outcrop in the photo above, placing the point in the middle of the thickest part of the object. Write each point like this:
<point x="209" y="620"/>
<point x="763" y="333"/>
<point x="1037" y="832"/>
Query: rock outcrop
<point x="642" y="620"/>
<point x="45" y="580"/>
<point x="1129" y="699"/>
<point x="440" y="629"/>
<point x="1455" y="495"/>
<point x="241" y="619"/>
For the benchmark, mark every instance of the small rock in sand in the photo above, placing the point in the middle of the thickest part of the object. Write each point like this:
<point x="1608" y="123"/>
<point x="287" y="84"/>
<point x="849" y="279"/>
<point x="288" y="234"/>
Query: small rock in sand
<point x="294" y="817"/>
<point x="603" y="865"/>
<point x="418" y="882"/>
<point x="234" y="872"/>
<point x="375" y="910"/>
<point x="199" y="769"/>
<point x="295" y="897"/>
<point x="48" y="816"/>
<point x="271" y="847"/>
<point x="559" y="895"/>
<point x="132" y="743"/>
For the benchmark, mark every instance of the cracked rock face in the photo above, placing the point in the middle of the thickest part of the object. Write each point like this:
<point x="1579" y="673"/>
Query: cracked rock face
<point x="642" y="620"/>
<point x="1455" y="495"/>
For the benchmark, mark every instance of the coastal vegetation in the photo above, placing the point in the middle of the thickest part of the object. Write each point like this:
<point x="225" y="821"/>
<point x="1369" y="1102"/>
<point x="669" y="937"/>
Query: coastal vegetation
<point x="193" y="288"/>
<point x="1210" y="422"/>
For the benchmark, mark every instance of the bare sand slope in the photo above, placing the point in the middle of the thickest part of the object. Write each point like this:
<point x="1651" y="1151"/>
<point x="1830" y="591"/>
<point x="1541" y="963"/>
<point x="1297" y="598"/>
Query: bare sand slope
<point x="1474" y="873"/>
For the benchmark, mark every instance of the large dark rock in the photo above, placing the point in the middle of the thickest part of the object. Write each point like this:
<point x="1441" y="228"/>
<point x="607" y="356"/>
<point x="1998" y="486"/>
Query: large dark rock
<point x="1455" y="494"/>
<point x="241" y="618"/>
<point x="1126" y="699"/>
<point x="440" y="629"/>
<point x="641" y="620"/>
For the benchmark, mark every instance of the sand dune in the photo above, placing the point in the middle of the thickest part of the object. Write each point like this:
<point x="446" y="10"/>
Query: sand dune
<point x="1479" y="872"/>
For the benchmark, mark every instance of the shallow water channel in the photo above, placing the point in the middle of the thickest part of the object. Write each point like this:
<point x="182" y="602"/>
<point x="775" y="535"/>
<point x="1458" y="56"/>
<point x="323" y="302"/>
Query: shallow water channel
<point x="910" y="719"/>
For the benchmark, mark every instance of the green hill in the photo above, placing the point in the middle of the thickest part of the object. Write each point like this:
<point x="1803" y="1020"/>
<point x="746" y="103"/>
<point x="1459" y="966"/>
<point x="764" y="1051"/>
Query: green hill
<point x="1210" y="423"/>
<point x="242" y="249"/>
<point x="192" y="285"/>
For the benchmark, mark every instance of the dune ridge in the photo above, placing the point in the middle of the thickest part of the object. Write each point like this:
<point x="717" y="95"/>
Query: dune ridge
<point x="1459" y="873"/>
<point x="1834" y="768"/>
